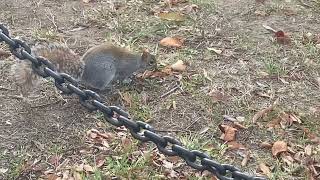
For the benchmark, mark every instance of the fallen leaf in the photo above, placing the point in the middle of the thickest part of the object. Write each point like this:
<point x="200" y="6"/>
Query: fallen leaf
<point x="87" y="1"/>
<point x="88" y="168"/>
<point x="127" y="99"/>
<point x="55" y="159"/>
<point x="308" y="150"/>
<point x="217" y="51"/>
<point x="65" y="174"/>
<point x="279" y="147"/>
<point x="78" y="168"/>
<point x="282" y="38"/>
<point x="245" y="159"/>
<point x="191" y="8"/>
<point x="205" y="74"/>
<point x="52" y="177"/>
<point x="263" y="112"/>
<point x="76" y="176"/>
<point x="218" y="96"/>
<point x="172" y="16"/>
<point x="126" y="142"/>
<point x="232" y="145"/>
<point x="171" y="42"/>
<point x="100" y="162"/>
<point x="229" y="133"/>
<point x="266" y="145"/>
<point x="179" y="66"/>
<point x="287" y="159"/>
<point x="274" y="123"/>
<point x="167" y="71"/>
<point x="265" y="169"/>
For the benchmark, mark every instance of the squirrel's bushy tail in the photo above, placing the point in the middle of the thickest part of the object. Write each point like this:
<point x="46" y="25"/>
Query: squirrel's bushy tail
<point x="63" y="58"/>
<point x="24" y="77"/>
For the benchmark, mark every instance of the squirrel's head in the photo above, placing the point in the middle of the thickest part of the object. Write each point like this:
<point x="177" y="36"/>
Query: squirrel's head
<point x="149" y="59"/>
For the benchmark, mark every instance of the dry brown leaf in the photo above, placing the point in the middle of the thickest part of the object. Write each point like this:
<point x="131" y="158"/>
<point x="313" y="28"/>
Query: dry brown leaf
<point x="127" y="99"/>
<point x="51" y="177"/>
<point x="100" y="162"/>
<point x="167" y="71"/>
<point x="245" y="159"/>
<point x="179" y="66"/>
<point x="191" y="8"/>
<point x="288" y="119"/>
<point x="171" y="42"/>
<point x="232" y="145"/>
<point x="266" y="145"/>
<point x="265" y="169"/>
<point x="287" y="159"/>
<point x="126" y="142"/>
<point x="88" y="168"/>
<point x="55" y="159"/>
<point x="263" y="112"/>
<point x="279" y="147"/>
<point x="229" y="133"/>
<point x="218" y="96"/>
<point x="172" y="16"/>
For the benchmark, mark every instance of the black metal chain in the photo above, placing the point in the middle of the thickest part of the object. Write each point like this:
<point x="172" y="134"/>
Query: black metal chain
<point x="118" y="117"/>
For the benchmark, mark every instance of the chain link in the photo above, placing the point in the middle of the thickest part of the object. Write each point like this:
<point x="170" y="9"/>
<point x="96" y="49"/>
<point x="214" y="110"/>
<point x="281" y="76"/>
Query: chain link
<point x="118" y="117"/>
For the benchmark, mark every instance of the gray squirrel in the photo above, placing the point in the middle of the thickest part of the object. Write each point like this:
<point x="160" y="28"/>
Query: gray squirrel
<point x="97" y="69"/>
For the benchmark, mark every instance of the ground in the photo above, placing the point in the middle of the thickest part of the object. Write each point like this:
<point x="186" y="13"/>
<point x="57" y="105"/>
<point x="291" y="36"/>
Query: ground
<point x="222" y="92"/>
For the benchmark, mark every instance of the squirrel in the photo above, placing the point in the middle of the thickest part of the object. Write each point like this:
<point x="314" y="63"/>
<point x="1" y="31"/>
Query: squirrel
<point x="97" y="69"/>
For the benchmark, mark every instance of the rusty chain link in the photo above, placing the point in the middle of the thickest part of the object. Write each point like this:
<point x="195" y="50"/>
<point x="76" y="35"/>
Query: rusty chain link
<point x="118" y="117"/>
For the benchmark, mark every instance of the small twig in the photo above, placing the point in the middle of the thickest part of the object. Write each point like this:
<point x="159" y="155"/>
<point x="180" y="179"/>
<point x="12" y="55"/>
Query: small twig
<point x="51" y="18"/>
<point x="47" y="104"/>
<point x="170" y="92"/>
<point x="305" y="4"/>
<point x="192" y="123"/>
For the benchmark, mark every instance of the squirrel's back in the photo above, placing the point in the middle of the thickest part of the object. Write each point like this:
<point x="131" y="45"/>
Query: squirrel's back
<point x="106" y="63"/>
